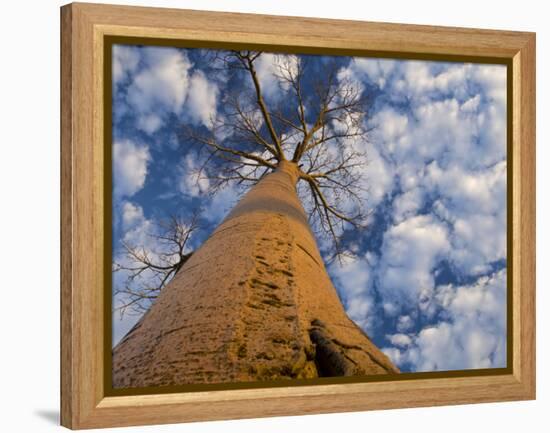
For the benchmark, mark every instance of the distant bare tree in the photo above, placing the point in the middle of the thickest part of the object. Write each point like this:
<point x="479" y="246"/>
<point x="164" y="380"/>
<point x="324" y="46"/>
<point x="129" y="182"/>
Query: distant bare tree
<point x="317" y="129"/>
<point x="148" y="270"/>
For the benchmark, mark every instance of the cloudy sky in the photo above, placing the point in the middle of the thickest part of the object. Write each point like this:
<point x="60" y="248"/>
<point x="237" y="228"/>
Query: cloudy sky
<point x="428" y="278"/>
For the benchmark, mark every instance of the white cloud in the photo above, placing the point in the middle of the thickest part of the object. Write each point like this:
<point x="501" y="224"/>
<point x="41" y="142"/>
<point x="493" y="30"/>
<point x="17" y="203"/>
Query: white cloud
<point x="391" y="125"/>
<point x="164" y="80"/>
<point x="472" y="333"/>
<point x="401" y="340"/>
<point x="410" y="251"/>
<point x="453" y="107"/>
<point x="138" y="233"/>
<point x="192" y="182"/>
<point x="473" y="191"/>
<point x="202" y="99"/>
<point x="161" y="82"/>
<point x="474" y="203"/>
<point x="132" y="215"/>
<point x="449" y="146"/>
<point x="407" y="204"/>
<point x="353" y="279"/>
<point x="149" y="123"/>
<point x="378" y="70"/>
<point x="440" y="129"/>
<point x="395" y="355"/>
<point x="404" y="323"/>
<point x="421" y="80"/>
<point x="125" y="62"/>
<point x="447" y="149"/>
<point x="378" y="175"/>
<point x="472" y="104"/>
<point x="268" y="67"/>
<point x="129" y="167"/>
<point x="493" y="79"/>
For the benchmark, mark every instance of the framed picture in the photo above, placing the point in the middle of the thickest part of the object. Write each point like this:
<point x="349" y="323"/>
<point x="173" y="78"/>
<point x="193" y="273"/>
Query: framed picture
<point x="265" y="216"/>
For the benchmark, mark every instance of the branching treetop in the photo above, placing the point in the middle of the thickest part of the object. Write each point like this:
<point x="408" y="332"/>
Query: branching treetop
<point x="317" y="125"/>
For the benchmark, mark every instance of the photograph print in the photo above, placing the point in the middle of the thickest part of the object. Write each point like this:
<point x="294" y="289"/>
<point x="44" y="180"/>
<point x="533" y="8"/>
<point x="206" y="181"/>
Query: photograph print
<point x="289" y="217"/>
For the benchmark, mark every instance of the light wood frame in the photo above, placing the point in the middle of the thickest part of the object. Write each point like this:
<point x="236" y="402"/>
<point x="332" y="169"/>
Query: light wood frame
<point x="83" y="400"/>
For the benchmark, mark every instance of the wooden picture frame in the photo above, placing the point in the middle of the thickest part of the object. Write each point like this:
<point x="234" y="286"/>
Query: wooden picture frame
<point x="84" y="28"/>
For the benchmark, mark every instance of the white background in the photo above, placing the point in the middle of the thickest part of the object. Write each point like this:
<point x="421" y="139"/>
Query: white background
<point x="29" y="237"/>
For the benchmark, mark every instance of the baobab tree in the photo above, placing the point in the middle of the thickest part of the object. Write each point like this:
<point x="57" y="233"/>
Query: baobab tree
<point x="255" y="301"/>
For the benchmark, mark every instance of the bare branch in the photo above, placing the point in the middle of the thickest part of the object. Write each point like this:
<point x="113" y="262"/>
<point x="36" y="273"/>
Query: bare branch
<point x="320" y="121"/>
<point x="260" y="100"/>
<point x="146" y="271"/>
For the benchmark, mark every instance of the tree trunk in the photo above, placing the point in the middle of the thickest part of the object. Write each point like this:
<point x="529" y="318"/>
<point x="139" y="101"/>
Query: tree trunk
<point x="254" y="303"/>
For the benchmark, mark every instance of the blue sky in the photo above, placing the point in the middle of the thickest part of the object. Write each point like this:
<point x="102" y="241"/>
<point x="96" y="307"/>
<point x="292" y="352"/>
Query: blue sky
<point x="427" y="280"/>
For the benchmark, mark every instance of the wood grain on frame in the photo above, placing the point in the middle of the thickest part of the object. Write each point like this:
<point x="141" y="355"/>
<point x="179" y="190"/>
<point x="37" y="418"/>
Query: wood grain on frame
<point x="83" y="230"/>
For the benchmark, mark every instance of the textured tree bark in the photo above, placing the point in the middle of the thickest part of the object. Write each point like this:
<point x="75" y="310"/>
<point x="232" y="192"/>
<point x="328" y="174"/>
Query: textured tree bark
<point x="255" y="302"/>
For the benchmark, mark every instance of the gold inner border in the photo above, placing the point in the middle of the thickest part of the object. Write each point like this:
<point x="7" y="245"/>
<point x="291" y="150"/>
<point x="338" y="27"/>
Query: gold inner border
<point x="110" y="40"/>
